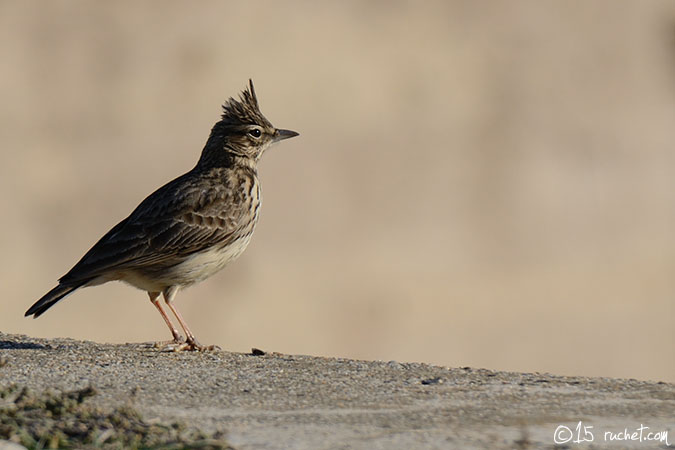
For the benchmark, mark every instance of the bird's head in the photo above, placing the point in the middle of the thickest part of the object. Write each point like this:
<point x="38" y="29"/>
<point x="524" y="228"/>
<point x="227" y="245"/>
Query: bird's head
<point x="243" y="130"/>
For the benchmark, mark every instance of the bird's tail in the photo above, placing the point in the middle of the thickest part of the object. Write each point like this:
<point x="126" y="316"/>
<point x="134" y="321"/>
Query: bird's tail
<point x="51" y="297"/>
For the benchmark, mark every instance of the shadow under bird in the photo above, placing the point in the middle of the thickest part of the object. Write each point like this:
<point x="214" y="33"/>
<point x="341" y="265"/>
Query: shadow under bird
<point x="191" y="227"/>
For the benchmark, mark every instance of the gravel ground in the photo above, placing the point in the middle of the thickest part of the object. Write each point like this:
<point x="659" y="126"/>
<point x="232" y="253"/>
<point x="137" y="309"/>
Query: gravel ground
<point x="276" y="401"/>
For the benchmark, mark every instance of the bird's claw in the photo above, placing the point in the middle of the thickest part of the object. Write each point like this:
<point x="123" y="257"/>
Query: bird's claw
<point x="162" y="344"/>
<point x="189" y="345"/>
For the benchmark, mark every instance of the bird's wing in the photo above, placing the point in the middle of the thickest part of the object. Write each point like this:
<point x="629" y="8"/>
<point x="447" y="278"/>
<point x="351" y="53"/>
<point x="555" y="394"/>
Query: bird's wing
<point x="177" y="220"/>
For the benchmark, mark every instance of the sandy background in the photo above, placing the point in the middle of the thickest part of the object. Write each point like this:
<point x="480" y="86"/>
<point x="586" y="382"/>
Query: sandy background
<point x="476" y="184"/>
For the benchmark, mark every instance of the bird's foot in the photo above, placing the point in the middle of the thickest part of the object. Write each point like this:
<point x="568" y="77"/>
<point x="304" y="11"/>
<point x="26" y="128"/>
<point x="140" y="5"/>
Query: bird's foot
<point x="162" y="345"/>
<point x="189" y="345"/>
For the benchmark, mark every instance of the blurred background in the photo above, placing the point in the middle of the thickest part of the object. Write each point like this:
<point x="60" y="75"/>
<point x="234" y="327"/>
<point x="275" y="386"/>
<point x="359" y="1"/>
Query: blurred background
<point x="484" y="184"/>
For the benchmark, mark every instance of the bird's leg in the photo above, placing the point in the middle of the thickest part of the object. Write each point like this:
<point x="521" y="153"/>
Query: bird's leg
<point x="177" y="338"/>
<point x="191" y="342"/>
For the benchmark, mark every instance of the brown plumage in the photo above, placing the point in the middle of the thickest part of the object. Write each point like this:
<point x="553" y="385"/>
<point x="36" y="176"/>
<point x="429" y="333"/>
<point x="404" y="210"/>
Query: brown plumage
<point x="191" y="227"/>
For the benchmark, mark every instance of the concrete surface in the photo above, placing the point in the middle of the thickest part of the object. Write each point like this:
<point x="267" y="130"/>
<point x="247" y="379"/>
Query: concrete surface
<point x="277" y="401"/>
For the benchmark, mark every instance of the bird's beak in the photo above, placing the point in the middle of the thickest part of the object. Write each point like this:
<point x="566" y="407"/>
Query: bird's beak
<point x="280" y="135"/>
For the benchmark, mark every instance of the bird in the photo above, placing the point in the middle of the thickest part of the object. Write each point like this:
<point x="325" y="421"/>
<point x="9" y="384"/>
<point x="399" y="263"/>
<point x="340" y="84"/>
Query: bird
<point x="188" y="229"/>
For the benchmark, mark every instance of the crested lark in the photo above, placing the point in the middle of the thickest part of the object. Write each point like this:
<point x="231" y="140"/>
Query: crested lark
<point x="191" y="227"/>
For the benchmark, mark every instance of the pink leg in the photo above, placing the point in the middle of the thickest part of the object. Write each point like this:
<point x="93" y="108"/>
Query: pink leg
<point x="154" y="298"/>
<point x="191" y="342"/>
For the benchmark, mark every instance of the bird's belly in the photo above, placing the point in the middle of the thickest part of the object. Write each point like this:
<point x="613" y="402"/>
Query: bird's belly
<point x="202" y="265"/>
<point x="193" y="269"/>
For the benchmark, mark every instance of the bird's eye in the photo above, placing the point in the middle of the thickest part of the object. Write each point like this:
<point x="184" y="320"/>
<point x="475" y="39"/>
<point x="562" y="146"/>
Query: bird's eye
<point x="256" y="133"/>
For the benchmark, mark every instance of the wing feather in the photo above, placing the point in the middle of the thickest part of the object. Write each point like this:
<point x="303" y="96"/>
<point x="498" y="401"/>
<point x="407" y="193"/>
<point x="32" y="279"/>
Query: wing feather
<point x="177" y="220"/>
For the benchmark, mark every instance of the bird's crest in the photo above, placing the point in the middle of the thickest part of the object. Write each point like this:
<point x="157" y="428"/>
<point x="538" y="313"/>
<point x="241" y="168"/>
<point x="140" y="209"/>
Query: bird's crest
<point x="245" y="110"/>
